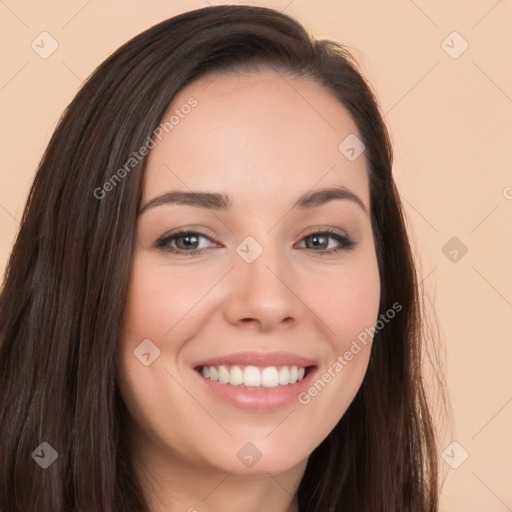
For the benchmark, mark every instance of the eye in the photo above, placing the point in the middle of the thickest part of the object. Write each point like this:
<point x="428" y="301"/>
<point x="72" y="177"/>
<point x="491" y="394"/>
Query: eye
<point x="186" y="242"/>
<point x="320" y="240"/>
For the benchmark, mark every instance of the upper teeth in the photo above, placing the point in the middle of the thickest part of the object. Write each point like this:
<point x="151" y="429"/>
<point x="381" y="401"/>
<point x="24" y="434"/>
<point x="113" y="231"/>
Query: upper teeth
<point x="253" y="376"/>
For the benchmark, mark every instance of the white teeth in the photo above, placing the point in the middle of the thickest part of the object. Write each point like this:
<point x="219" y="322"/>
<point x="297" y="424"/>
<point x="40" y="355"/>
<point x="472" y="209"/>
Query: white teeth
<point x="223" y="375"/>
<point x="284" y="376"/>
<point x="252" y="376"/>
<point x="269" y="377"/>
<point x="236" y="376"/>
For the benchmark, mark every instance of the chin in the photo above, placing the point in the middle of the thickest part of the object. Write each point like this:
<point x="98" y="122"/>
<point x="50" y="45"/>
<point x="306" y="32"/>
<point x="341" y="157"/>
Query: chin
<point x="258" y="458"/>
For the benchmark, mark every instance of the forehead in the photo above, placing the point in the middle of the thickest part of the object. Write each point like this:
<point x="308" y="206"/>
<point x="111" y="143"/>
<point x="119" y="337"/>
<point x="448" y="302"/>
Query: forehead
<point x="261" y="134"/>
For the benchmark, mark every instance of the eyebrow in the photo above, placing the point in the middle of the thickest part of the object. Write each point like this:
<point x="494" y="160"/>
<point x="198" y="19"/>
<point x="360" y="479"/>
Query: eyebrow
<point x="218" y="201"/>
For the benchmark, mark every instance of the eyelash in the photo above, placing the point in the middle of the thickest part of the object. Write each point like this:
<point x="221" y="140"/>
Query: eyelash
<point x="162" y="243"/>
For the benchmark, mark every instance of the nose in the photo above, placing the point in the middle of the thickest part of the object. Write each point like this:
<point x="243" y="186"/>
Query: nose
<point x="264" y="293"/>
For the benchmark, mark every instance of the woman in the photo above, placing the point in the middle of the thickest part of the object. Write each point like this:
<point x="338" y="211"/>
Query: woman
<point x="171" y="337"/>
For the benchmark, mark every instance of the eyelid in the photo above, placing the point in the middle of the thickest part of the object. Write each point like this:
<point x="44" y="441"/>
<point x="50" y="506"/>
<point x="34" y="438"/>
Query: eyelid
<point x="324" y="229"/>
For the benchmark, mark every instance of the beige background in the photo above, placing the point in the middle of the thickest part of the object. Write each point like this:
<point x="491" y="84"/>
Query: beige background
<point x="451" y="125"/>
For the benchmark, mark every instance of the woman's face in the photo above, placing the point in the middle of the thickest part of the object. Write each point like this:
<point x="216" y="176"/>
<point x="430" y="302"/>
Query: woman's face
<point x="258" y="293"/>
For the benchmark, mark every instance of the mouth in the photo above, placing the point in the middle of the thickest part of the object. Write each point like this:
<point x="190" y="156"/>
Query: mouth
<point x="255" y="377"/>
<point x="255" y="381"/>
<point x="256" y="389"/>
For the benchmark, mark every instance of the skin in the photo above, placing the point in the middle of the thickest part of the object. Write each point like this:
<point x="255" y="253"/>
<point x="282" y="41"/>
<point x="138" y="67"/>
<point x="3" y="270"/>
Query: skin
<point x="264" y="140"/>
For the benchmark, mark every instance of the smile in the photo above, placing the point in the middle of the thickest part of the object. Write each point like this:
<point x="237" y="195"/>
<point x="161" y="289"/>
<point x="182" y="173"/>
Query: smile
<point x="255" y="381"/>
<point x="253" y="376"/>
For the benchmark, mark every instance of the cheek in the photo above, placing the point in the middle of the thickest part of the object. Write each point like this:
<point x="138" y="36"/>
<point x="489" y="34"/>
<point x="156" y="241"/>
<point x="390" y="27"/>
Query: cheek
<point x="352" y="308"/>
<point x="163" y="310"/>
<point x="148" y="319"/>
<point x="348" y="308"/>
<point x="156" y="311"/>
<point x="349" y="302"/>
<point x="159" y="300"/>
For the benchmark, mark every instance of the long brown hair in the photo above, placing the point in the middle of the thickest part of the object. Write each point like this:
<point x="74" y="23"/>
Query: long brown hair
<point x="66" y="283"/>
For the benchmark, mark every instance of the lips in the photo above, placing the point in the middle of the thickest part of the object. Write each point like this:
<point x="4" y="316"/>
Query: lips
<point x="261" y="392"/>
<point x="259" y="359"/>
